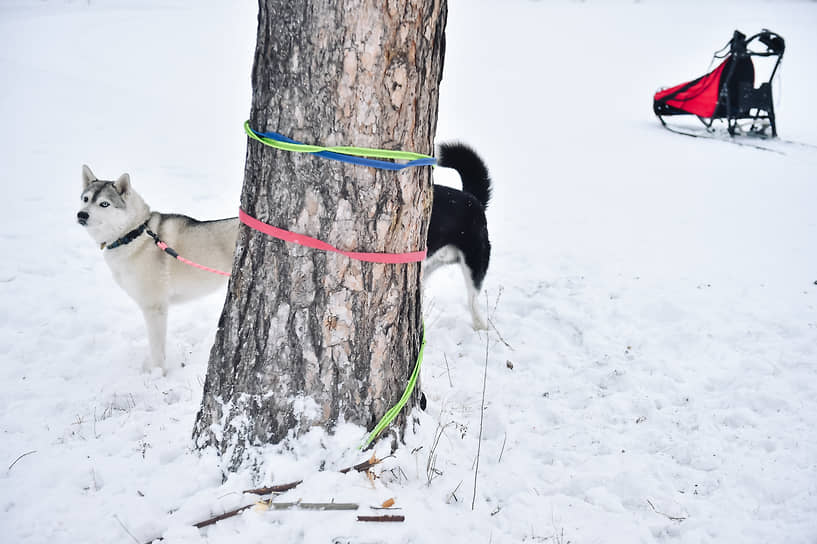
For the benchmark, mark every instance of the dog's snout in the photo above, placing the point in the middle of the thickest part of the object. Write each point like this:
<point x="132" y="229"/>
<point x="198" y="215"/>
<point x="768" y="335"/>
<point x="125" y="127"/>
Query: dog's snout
<point x="82" y="218"/>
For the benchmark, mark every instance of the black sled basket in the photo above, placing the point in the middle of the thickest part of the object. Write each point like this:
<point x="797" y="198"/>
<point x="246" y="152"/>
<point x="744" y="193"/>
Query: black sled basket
<point x="728" y="92"/>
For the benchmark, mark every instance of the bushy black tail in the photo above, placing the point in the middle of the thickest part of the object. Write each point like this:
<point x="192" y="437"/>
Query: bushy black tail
<point x="473" y="172"/>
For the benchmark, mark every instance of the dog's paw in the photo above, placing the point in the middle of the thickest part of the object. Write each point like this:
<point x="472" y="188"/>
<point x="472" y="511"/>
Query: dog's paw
<point x="479" y="324"/>
<point x="149" y="366"/>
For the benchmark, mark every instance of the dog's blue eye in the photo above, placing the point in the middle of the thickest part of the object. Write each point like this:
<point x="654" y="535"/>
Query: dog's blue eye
<point x="104" y="204"/>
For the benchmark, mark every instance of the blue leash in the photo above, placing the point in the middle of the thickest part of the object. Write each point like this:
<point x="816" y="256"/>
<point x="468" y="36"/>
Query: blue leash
<point x="360" y="161"/>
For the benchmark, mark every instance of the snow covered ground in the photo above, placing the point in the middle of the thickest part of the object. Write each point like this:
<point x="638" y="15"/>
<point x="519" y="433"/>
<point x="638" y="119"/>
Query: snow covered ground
<point x="653" y="373"/>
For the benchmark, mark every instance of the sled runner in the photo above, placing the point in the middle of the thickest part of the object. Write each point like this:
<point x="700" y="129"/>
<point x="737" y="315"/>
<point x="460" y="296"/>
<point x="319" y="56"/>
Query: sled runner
<point x="728" y="92"/>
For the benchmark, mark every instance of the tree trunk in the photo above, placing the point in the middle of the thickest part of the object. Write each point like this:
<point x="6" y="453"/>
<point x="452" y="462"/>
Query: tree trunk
<point x="308" y="337"/>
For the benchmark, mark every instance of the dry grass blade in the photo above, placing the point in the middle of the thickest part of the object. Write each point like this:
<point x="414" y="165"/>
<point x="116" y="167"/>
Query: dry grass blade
<point x="482" y="409"/>
<point x="671" y="518"/>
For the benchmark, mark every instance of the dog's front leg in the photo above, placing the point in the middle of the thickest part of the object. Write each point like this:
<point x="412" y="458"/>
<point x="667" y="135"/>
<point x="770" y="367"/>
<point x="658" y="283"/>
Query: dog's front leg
<point x="156" y="322"/>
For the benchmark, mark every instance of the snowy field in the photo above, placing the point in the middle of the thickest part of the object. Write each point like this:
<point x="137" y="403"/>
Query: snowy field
<point x="652" y="375"/>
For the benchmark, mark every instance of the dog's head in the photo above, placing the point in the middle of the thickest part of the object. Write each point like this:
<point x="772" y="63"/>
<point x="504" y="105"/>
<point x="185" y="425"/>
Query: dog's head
<point x="109" y="208"/>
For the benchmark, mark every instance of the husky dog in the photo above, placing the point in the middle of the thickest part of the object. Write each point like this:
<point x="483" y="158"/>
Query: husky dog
<point x="122" y="224"/>
<point x="458" y="231"/>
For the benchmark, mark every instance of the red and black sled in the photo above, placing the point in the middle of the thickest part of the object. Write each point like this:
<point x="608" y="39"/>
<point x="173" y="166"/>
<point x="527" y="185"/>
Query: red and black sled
<point x="728" y="92"/>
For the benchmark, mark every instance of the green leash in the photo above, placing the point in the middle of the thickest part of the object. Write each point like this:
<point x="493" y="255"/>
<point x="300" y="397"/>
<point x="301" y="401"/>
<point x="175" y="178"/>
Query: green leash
<point x="363" y="156"/>
<point x="389" y="416"/>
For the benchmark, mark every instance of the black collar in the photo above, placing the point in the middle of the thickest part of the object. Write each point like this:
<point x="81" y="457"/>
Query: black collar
<point x="128" y="238"/>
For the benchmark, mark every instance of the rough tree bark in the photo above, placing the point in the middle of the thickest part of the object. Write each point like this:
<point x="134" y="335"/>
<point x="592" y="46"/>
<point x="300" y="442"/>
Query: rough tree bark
<point x="307" y="337"/>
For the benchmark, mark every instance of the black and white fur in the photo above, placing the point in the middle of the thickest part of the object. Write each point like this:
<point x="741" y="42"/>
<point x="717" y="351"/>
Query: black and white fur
<point x="458" y="230"/>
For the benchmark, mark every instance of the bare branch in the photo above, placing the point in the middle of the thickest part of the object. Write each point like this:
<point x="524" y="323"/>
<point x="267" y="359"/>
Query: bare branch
<point x="366" y="465"/>
<point x="309" y="505"/>
<point x="23" y="455"/>
<point x="225" y="515"/>
<point x="273" y="489"/>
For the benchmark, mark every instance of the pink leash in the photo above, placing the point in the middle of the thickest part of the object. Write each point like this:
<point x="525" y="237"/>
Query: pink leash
<point x="172" y="252"/>
<point x="301" y="239"/>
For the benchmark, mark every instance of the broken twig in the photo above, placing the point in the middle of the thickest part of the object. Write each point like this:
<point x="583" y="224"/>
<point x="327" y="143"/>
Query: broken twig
<point x="381" y="518"/>
<point x="366" y="465"/>
<point x="15" y="461"/>
<point x="279" y="506"/>
<point x="225" y="515"/>
<point x="274" y="489"/>
<point x="269" y="505"/>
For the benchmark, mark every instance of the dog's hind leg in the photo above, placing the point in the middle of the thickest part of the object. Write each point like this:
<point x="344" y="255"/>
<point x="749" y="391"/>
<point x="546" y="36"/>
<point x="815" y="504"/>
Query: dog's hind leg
<point x="479" y="323"/>
<point x="474" y="265"/>
<point x="443" y="256"/>
<point x="156" y="322"/>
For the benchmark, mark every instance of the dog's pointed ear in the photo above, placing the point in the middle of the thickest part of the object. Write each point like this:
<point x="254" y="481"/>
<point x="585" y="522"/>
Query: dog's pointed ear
<point x="88" y="177"/>
<point x="122" y="184"/>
